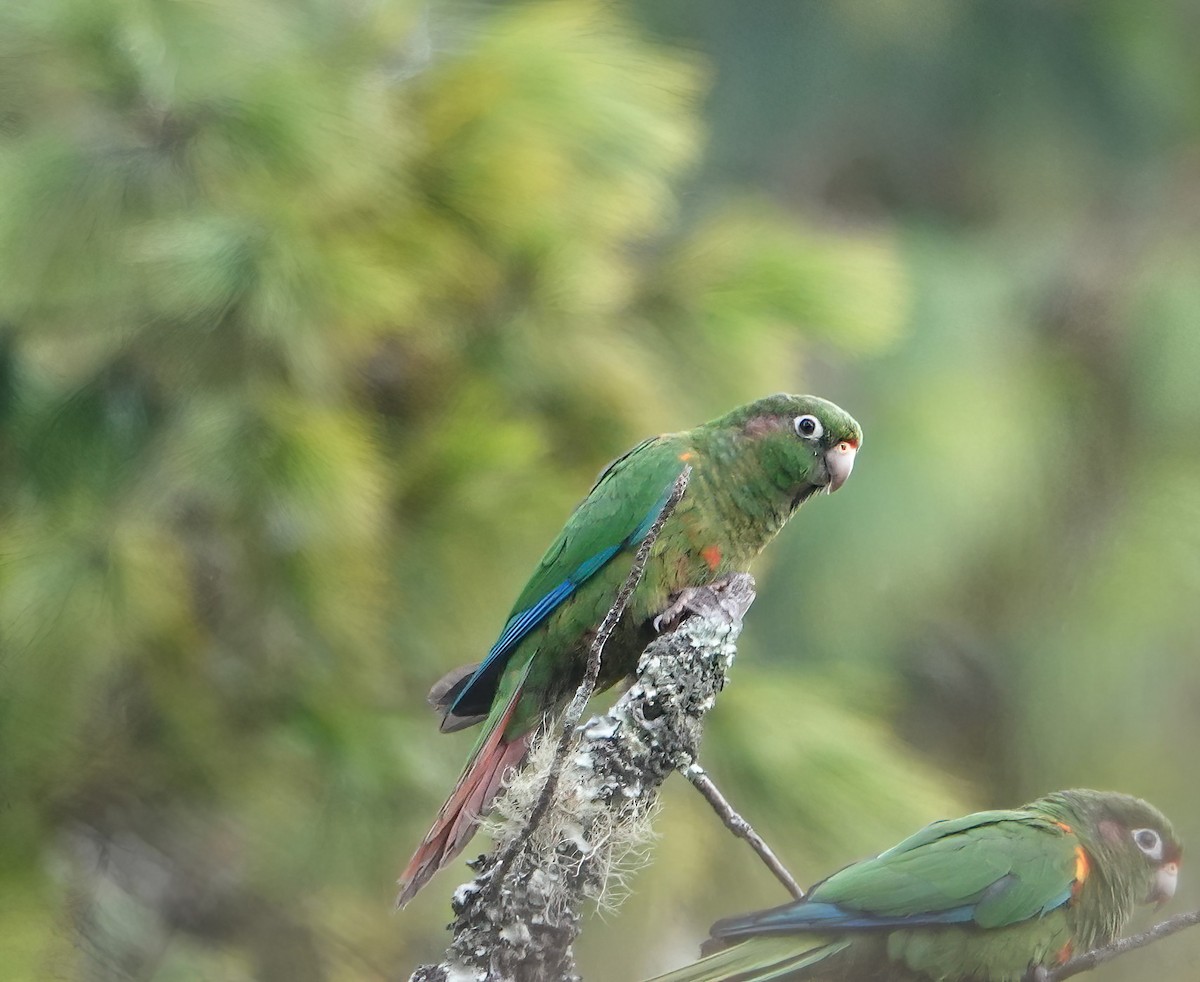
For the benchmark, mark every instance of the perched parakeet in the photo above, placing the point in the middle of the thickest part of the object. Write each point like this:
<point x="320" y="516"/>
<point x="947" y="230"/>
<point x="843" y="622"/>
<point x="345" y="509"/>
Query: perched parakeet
<point x="751" y="469"/>
<point x="976" y="899"/>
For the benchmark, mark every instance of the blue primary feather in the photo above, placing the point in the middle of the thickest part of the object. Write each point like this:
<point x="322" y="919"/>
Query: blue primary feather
<point x="1057" y="902"/>
<point x="590" y="567"/>
<point x="515" y="631"/>
<point x="524" y="621"/>
<point x="817" y="917"/>
<point x="643" y="528"/>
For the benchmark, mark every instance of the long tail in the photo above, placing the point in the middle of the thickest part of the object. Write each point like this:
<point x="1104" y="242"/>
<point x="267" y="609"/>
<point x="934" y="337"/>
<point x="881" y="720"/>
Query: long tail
<point x="459" y="817"/>
<point x="760" y="959"/>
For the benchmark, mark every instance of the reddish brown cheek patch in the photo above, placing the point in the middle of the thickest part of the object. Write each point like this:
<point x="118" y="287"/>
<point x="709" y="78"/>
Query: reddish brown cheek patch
<point x="712" y="556"/>
<point x="760" y="426"/>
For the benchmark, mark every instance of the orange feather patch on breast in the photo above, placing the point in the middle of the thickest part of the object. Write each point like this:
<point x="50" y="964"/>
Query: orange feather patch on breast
<point x="1065" y="953"/>
<point x="712" y="556"/>
<point x="1083" y="866"/>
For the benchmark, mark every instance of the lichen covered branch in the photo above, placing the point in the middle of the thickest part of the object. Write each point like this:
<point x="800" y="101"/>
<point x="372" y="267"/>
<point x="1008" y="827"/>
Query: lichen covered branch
<point x="587" y="687"/>
<point x="518" y="919"/>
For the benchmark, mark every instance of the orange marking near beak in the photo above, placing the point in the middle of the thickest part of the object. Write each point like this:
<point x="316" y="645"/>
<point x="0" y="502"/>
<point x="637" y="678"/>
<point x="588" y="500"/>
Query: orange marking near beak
<point x="712" y="556"/>
<point x="1083" y="866"/>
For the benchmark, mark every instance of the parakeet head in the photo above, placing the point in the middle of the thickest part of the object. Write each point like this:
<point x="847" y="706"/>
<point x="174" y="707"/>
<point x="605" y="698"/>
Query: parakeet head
<point x="1131" y="841"/>
<point x="806" y="444"/>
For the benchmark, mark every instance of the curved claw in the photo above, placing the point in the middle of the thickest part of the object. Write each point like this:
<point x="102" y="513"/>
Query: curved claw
<point x="682" y="603"/>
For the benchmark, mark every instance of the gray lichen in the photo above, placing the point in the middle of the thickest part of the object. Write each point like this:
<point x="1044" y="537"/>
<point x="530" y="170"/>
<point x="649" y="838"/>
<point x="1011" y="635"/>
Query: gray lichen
<point x="597" y="829"/>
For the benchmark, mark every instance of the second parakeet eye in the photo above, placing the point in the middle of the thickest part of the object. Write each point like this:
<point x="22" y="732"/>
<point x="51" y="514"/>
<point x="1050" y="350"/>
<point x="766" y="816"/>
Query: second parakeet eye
<point x="808" y="427"/>
<point x="1149" y="841"/>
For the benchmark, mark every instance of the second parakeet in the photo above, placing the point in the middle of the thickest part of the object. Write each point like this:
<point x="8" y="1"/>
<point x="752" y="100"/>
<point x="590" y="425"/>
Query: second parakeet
<point x="750" y="470"/>
<point x="977" y="899"/>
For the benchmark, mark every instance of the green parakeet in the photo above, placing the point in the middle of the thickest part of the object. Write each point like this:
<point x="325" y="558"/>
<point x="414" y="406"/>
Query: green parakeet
<point x="976" y="899"/>
<point x="751" y="469"/>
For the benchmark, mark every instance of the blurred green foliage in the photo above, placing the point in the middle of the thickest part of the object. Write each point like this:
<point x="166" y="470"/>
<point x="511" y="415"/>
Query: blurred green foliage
<point x="316" y="318"/>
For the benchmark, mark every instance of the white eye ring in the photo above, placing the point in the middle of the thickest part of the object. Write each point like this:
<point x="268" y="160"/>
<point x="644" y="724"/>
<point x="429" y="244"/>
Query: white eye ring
<point x="808" y="427"/>
<point x="1149" y="841"/>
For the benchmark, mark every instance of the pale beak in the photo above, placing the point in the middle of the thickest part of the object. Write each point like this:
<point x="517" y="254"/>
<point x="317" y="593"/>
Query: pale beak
<point x="1165" y="881"/>
<point x="839" y="462"/>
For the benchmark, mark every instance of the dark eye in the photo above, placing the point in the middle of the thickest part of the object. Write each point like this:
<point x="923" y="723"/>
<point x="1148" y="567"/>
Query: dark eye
<point x="808" y="427"/>
<point x="1148" y="841"/>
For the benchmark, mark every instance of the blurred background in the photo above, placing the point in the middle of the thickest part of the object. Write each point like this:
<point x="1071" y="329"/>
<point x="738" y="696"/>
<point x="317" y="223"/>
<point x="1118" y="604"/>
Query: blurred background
<point x="317" y="317"/>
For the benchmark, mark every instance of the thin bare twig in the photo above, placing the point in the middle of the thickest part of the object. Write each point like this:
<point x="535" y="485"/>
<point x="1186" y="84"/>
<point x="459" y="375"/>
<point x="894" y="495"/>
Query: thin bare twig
<point x="740" y="827"/>
<point x="1098" y="956"/>
<point x="587" y="687"/>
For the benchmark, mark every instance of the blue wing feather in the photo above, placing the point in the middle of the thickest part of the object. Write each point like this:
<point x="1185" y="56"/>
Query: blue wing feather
<point x="521" y="623"/>
<point x="643" y="528"/>
<point x="590" y="567"/>
<point x="817" y="917"/>
<point x="1057" y="902"/>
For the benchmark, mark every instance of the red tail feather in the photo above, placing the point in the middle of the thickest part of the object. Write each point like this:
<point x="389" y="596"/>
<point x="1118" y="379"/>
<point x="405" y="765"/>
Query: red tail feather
<point x="459" y="816"/>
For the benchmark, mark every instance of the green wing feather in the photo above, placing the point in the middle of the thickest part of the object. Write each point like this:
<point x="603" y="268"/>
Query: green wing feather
<point x="614" y="517"/>
<point x="1008" y="866"/>
<point x="626" y="498"/>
